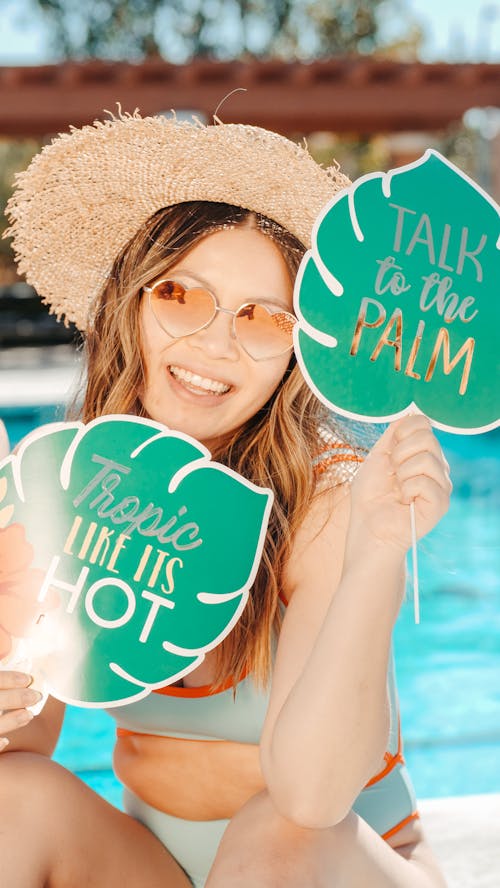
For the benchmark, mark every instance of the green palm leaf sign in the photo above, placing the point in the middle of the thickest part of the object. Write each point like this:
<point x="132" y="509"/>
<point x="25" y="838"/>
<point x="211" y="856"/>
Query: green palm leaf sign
<point x="150" y="548"/>
<point x="399" y="299"/>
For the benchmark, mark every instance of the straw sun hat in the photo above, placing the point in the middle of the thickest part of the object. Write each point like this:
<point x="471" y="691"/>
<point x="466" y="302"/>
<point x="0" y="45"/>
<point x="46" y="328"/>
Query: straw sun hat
<point x="87" y="193"/>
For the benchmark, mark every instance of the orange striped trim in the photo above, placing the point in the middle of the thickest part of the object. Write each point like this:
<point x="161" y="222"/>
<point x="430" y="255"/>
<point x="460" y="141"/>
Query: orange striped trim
<point x="125" y="732"/>
<point x="201" y="691"/>
<point x="331" y="445"/>
<point x="205" y="690"/>
<point x="395" y="829"/>
<point x="339" y="457"/>
<point x="282" y="598"/>
<point x="322" y="466"/>
<point x="390" y="761"/>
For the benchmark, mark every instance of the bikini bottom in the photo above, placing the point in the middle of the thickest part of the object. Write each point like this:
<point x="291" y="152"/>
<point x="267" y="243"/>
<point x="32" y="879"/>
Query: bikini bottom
<point x="387" y="805"/>
<point x="193" y="843"/>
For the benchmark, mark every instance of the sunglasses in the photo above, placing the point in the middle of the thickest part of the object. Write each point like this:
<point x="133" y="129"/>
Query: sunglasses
<point x="181" y="311"/>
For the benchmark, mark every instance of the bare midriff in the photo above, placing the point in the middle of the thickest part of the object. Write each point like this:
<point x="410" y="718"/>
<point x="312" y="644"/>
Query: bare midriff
<point x="192" y="779"/>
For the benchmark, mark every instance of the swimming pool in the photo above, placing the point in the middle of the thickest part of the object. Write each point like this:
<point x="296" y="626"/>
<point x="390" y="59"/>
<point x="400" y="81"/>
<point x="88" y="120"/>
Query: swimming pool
<point x="448" y="667"/>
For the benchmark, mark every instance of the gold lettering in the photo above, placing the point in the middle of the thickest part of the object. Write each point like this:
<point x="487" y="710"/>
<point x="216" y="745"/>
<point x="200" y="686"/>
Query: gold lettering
<point x="414" y="351"/>
<point x="77" y="523"/>
<point x="102" y="540"/>
<point x="362" y="322"/>
<point x="156" y="569"/>
<point x="443" y="339"/>
<point x="142" y="563"/>
<point x="169" y="570"/>
<point x="397" y="319"/>
<point x="87" y="540"/>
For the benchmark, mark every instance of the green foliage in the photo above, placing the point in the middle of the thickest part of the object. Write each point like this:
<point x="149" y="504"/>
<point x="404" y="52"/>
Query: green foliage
<point x="179" y="30"/>
<point x="111" y="28"/>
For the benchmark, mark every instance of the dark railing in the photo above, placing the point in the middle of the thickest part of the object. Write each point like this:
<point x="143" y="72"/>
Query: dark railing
<point x="25" y="320"/>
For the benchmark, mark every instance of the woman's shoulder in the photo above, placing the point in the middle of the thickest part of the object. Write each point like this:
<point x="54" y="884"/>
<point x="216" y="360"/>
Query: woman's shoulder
<point x="318" y="545"/>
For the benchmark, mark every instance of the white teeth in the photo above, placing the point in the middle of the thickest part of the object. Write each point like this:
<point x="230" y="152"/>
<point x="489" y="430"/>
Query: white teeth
<point x="201" y="382"/>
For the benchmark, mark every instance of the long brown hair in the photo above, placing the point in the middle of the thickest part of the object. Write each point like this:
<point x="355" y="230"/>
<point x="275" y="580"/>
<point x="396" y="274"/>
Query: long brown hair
<point x="273" y="449"/>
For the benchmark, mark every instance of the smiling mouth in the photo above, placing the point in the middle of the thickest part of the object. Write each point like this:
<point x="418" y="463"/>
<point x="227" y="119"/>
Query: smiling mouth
<point x="200" y="385"/>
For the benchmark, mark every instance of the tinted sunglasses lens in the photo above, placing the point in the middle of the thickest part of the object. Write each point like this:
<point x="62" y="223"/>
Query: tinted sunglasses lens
<point x="181" y="311"/>
<point x="264" y="334"/>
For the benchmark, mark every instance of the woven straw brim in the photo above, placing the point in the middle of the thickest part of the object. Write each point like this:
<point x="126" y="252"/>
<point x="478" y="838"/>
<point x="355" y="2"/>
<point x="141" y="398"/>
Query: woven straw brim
<point x="85" y="195"/>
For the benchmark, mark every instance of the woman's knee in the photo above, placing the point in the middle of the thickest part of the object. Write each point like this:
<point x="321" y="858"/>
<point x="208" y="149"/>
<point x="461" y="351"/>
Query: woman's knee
<point x="260" y="815"/>
<point x="24" y="769"/>
<point x="262" y="847"/>
<point x="31" y="812"/>
<point x="32" y="787"/>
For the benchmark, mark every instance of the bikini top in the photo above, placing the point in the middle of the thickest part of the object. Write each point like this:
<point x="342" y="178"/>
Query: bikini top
<point x="199" y="714"/>
<point x="237" y="714"/>
<point x="387" y="802"/>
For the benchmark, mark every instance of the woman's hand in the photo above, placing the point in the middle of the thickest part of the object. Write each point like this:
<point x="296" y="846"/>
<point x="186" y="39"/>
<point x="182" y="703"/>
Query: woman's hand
<point x="15" y="696"/>
<point x="405" y="465"/>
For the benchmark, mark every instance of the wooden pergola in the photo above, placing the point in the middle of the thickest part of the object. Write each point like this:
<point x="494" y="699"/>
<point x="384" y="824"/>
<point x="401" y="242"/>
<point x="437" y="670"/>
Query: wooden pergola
<point x="359" y="95"/>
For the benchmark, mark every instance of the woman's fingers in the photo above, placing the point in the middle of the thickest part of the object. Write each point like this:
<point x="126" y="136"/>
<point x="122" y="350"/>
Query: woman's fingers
<point x="422" y="440"/>
<point x="424" y="488"/>
<point x="416" y="452"/>
<point x="405" y="436"/>
<point x="13" y="679"/>
<point x="13" y="698"/>
<point x="10" y="721"/>
<point x="420" y="468"/>
<point x="408" y="425"/>
<point x="424" y="464"/>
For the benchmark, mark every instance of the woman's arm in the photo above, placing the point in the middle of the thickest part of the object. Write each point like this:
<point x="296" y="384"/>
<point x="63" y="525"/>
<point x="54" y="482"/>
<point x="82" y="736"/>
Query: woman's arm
<point x="327" y="724"/>
<point x="24" y="732"/>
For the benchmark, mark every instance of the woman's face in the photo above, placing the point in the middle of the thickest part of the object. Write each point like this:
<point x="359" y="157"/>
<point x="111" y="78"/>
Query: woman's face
<point x="237" y="265"/>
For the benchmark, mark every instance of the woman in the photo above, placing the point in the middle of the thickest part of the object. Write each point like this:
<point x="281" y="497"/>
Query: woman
<point x="175" y="246"/>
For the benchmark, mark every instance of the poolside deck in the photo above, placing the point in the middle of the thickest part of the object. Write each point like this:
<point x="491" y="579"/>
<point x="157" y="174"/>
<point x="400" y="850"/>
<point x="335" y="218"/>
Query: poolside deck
<point x="35" y="377"/>
<point x="465" y="835"/>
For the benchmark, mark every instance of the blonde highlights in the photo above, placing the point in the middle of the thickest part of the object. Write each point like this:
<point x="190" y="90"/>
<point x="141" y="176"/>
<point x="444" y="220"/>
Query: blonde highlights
<point x="272" y="449"/>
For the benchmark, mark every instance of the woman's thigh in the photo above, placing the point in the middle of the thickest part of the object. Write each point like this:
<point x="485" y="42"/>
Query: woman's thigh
<point x="261" y="848"/>
<point x="57" y="833"/>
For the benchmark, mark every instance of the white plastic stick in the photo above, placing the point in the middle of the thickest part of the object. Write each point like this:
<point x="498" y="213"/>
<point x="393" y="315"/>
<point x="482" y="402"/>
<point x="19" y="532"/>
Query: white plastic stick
<point x="414" y="564"/>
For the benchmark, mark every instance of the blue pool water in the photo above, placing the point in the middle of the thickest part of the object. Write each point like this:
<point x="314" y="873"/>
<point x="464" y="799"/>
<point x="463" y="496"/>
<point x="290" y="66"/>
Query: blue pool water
<point x="448" y="667"/>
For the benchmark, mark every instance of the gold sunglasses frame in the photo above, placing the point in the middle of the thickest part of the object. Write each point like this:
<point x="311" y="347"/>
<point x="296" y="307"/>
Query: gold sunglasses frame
<point x="217" y="308"/>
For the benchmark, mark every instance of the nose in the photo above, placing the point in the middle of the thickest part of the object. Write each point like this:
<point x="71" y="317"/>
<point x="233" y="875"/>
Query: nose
<point x="217" y="340"/>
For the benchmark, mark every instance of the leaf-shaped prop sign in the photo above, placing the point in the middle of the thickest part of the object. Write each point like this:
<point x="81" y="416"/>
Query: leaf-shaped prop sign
<point x="398" y="300"/>
<point x="141" y="553"/>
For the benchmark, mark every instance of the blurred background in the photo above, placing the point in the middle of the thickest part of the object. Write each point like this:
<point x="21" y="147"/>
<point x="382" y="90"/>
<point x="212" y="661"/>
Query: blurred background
<point x="372" y="83"/>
